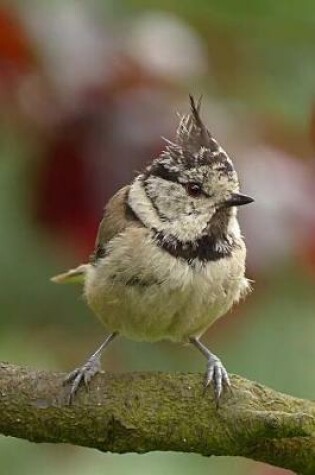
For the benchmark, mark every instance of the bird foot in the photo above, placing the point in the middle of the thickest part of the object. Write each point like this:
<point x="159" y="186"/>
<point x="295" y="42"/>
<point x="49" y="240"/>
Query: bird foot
<point x="217" y="375"/>
<point x="82" y="375"/>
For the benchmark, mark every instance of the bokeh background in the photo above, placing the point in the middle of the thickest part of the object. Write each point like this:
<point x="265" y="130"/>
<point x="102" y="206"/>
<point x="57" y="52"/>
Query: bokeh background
<point x="86" y="91"/>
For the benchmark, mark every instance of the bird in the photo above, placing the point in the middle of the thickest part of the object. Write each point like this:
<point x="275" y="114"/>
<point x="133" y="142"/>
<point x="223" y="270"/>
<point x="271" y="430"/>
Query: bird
<point x="169" y="256"/>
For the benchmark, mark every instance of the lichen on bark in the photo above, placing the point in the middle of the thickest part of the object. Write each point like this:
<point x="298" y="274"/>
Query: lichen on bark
<point x="142" y="412"/>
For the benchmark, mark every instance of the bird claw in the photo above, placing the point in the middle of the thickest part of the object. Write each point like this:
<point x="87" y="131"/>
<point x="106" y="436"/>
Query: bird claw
<point x="82" y="375"/>
<point x="217" y="375"/>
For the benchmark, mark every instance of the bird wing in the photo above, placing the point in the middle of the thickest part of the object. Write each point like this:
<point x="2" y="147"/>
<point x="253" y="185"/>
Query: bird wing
<point x="117" y="217"/>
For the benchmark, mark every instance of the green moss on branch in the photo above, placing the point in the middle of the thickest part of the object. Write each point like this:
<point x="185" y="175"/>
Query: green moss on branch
<point x="142" y="412"/>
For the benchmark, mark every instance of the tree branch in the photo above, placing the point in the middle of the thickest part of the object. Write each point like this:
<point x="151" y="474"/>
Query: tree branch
<point x="141" y="412"/>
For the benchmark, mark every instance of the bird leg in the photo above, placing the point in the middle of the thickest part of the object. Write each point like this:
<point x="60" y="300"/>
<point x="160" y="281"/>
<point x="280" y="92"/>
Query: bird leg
<point x="86" y="372"/>
<point x="215" y="373"/>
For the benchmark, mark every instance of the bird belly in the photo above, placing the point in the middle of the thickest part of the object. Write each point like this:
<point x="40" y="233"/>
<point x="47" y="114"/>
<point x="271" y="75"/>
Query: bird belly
<point x="140" y="314"/>
<point x="181" y="302"/>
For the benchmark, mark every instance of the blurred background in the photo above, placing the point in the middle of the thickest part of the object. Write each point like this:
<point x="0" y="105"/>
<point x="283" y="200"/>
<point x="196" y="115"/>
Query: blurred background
<point x="87" y="89"/>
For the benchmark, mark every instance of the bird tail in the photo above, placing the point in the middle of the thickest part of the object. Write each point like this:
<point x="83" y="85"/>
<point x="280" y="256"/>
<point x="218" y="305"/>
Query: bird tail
<point x="72" y="276"/>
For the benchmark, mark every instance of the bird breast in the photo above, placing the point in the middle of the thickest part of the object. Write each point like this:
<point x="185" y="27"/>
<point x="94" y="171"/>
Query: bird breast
<point x="144" y="293"/>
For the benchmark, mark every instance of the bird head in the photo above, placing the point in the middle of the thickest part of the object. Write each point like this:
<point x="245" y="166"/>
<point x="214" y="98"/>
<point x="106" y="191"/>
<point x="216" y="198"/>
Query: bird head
<point x="191" y="185"/>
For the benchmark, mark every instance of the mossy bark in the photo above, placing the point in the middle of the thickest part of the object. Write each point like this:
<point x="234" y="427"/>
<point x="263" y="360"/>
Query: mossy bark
<point x="141" y="412"/>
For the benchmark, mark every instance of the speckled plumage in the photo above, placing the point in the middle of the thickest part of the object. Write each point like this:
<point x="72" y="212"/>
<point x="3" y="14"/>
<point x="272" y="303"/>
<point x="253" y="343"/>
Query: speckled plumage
<point x="169" y="258"/>
<point x="143" y="293"/>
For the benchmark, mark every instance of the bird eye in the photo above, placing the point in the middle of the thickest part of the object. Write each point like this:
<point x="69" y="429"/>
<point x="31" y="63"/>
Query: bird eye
<point x="193" y="189"/>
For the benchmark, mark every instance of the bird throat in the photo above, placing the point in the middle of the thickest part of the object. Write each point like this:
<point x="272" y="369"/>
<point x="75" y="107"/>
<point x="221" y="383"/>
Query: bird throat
<point x="205" y="248"/>
<point x="213" y="244"/>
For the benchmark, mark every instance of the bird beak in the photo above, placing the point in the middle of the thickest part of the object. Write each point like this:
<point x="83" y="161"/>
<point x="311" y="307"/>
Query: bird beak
<point x="237" y="199"/>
